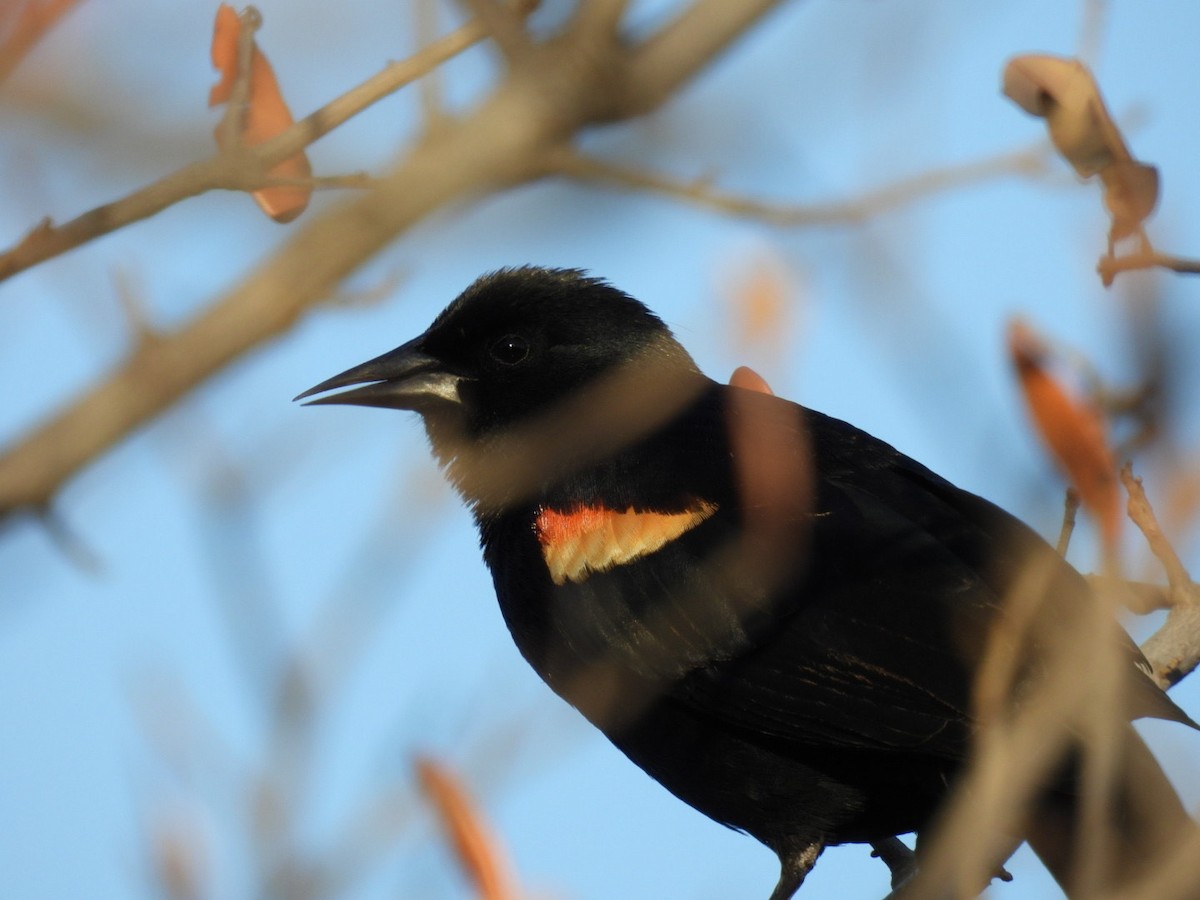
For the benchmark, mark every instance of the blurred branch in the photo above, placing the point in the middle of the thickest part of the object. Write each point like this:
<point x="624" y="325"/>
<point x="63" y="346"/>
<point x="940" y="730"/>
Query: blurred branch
<point x="1142" y="515"/>
<point x="670" y="57"/>
<point x="504" y="26"/>
<point x="33" y="21"/>
<point x="602" y="16"/>
<point x="238" y="168"/>
<point x="560" y="88"/>
<point x="1070" y="508"/>
<point x="896" y="855"/>
<point x="1027" y="162"/>
<point x="1091" y="30"/>
<point x="478" y="851"/>
<point x="429" y="88"/>
<point x="1146" y="257"/>
<point x="1139" y="597"/>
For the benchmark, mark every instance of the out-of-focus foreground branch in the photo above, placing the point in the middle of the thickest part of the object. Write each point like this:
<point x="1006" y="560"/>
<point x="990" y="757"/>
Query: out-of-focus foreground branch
<point x="238" y="166"/>
<point x="551" y="91"/>
<point x="26" y="26"/>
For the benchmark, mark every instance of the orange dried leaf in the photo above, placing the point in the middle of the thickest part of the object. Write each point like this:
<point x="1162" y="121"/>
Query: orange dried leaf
<point x="226" y="29"/>
<point x="746" y="377"/>
<point x="478" y="851"/>
<point x="1072" y="430"/>
<point x="266" y="115"/>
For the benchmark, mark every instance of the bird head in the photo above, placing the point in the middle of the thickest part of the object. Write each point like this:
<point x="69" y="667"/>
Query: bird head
<point x="529" y="373"/>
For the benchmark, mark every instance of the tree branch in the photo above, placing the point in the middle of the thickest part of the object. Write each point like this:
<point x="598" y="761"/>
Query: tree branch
<point x="1173" y="650"/>
<point x="672" y="56"/>
<point x="1110" y="266"/>
<point x="238" y="168"/>
<point x="560" y="88"/>
<point x="601" y="16"/>
<point x="1029" y="161"/>
<point x="33" y="22"/>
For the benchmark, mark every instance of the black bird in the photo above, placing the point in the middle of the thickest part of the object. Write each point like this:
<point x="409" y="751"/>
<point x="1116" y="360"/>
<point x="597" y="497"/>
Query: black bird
<point x="776" y="615"/>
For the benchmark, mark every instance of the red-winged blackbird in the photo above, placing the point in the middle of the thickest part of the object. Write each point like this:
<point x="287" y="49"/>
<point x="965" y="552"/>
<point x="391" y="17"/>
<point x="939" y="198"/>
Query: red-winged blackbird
<point x="777" y="616"/>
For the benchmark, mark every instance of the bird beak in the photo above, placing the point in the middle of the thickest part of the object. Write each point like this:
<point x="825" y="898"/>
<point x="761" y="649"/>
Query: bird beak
<point x="405" y="378"/>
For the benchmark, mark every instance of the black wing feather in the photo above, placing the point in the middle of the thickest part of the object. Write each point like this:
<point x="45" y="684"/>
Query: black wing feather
<point x="875" y="646"/>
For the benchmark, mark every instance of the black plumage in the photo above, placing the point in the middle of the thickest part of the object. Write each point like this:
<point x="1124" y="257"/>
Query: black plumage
<point x="774" y="614"/>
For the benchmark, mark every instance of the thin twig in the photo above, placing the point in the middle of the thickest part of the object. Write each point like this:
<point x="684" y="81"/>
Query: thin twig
<point x="350" y="181"/>
<point x="238" y="168"/>
<point x="897" y="856"/>
<point x="1029" y="162"/>
<point x="501" y="143"/>
<point x="1091" y="31"/>
<point x="1142" y="515"/>
<point x="1070" y="508"/>
<point x="1174" y="650"/>
<point x="1146" y="258"/>
<point x="480" y="854"/>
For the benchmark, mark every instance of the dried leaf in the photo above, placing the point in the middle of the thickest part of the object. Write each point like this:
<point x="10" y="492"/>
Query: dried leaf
<point x="1064" y="93"/>
<point x="478" y="851"/>
<point x="266" y="115"/>
<point x="226" y="29"/>
<point x="1072" y="429"/>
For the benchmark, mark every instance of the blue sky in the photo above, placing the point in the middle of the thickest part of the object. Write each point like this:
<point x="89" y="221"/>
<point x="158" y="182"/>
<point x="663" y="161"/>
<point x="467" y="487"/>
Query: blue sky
<point x="239" y="530"/>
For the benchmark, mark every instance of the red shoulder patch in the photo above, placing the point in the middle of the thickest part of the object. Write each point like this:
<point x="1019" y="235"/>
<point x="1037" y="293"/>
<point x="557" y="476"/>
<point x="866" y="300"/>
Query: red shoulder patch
<point x="586" y="539"/>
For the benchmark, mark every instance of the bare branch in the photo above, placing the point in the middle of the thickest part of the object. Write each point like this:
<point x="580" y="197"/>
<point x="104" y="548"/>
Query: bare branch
<point x="33" y="22"/>
<point x="233" y="122"/>
<point x="1091" y="30"/>
<point x="668" y="59"/>
<point x="240" y="168"/>
<point x="1110" y="266"/>
<point x="1028" y="162"/>
<point x="1070" y="508"/>
<point x="541" y="104"/>
<point x="897" y="856"/>
<point x="1173" y="650"/>
<point x="601" y="17"/>
<point x="1142" y="515"/>
<point x="504" y="25"/>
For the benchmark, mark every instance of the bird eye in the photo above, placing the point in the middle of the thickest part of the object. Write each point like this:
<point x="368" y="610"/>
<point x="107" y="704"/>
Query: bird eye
<point x="510" y="350"/>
